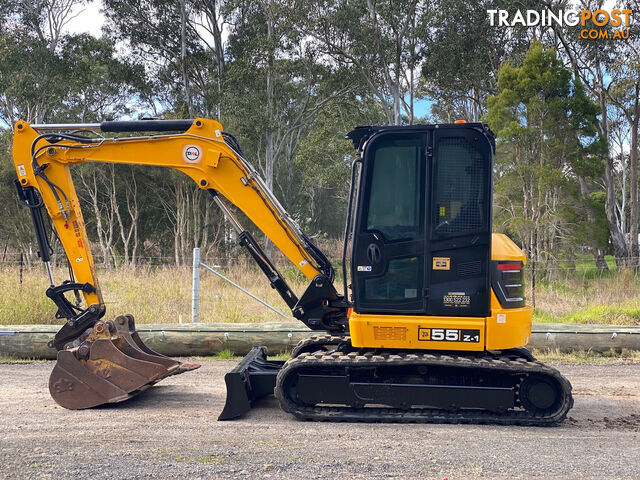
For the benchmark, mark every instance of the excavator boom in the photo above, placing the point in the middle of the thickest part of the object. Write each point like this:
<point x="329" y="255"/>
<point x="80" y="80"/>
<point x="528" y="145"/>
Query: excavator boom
<point x="106" y="360"/>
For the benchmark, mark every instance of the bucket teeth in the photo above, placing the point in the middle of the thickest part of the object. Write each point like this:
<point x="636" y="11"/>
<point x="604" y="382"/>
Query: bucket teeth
<point x="111" y="365"/>
<point x="127" y="327"/>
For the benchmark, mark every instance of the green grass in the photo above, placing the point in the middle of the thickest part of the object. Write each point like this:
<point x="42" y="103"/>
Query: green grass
<point x="163" y="295"/>
<point x="613" y="299"/>
<point x="227" y="355"/>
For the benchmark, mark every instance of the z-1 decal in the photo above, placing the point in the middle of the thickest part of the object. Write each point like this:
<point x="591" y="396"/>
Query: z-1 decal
<point x="448" y="335"/>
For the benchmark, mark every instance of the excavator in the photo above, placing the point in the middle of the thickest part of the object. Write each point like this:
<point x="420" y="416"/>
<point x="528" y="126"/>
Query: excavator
<point x="430" y="326"/>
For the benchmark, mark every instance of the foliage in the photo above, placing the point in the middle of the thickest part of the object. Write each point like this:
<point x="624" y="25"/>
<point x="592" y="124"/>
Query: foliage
<point x="546" y="128"/>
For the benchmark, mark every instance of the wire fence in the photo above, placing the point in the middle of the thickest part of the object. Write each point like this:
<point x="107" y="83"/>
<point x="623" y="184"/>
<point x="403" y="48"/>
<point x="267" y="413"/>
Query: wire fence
<point x="537" y="274"/>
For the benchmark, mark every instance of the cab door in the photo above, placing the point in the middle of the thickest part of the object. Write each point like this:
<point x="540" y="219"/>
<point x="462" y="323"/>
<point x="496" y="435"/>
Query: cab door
<point x="459" y="220"/>
<point x="422" y="237"/>
<point x="388" y="255"/>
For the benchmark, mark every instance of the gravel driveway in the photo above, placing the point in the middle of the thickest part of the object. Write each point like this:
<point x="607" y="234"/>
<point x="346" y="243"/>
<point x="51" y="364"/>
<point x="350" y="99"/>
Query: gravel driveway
<point x="171" y="431"/>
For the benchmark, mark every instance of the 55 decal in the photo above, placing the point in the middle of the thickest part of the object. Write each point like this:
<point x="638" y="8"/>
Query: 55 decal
<point x="449" y="335"/>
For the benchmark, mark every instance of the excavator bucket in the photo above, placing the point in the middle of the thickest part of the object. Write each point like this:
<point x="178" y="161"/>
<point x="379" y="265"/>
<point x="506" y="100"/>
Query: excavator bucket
<point x="252" y="379"/>
<point x="111" y="365"/>
<point x="126" y="327"/>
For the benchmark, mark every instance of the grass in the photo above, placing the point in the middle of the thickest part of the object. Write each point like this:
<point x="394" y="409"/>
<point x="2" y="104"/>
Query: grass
<point x="163" y="295"/>
<point x="587" y="356"/>
<point x="227" y="355"/>
<point x="152" y="295"/>
<point x="610" y="298"/>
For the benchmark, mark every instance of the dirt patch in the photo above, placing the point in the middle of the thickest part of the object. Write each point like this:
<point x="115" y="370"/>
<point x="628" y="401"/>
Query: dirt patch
<point x="171" y="431"/>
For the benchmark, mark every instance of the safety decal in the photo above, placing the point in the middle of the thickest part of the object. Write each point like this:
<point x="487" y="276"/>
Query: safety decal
<point x="441" y="263"/>
<point x="364" y="268"/>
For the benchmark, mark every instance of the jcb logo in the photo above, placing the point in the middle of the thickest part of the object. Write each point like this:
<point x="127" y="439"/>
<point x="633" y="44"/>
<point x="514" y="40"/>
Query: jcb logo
<point x="424" y="334"/>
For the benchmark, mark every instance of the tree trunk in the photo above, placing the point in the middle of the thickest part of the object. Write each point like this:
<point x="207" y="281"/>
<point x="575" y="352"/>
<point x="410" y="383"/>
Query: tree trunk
<point x="633" y="158"/>
<point x="269" y="137"/>
<point x="601" y="262"/>
<point x="183" y="57"/>
<point x="617" y="236"/>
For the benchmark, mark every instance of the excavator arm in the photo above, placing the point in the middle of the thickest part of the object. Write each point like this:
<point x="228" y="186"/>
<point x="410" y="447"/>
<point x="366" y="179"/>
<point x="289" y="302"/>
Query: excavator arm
<point x="43" y="156"/>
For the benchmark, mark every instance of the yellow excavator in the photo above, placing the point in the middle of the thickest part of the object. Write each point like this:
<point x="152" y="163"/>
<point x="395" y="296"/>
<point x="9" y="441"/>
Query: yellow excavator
<point x="431" y="325"/>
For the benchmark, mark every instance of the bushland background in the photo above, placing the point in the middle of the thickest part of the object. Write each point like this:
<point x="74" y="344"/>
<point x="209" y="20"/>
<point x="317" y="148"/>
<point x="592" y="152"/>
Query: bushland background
<point x="289" y="79"/>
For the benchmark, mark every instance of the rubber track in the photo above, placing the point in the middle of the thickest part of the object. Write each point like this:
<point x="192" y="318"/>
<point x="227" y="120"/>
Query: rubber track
<point x="319" y="341"/>
<point x="508" y="364"/>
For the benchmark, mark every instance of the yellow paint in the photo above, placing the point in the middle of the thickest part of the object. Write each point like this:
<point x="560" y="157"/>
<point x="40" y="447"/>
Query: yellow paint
<point x="503" y="248"/>
<point x="514" y="332"/>
<point x="362" y="328"/>
<point x="200" y="153"/>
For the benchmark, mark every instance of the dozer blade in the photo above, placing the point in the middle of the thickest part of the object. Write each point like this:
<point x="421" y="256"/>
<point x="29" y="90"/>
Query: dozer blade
<point x="253" y="378"/>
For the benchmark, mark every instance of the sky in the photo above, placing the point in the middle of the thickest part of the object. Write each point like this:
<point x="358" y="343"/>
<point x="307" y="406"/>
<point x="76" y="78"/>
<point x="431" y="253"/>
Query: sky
<point x="88" y="19"/>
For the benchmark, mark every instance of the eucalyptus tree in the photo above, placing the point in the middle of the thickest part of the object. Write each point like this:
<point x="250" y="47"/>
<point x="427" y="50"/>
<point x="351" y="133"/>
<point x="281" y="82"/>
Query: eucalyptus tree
<point x="379" y="43"/>
<point x="461" y="62"/>
<point x="546" y="129"/>
<point x="592" y="61"/>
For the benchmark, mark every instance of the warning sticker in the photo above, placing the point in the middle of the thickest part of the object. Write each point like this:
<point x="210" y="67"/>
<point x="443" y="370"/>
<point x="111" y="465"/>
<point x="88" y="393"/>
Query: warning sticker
<point x="456" y="300"/>
<point x="364" y="268"/>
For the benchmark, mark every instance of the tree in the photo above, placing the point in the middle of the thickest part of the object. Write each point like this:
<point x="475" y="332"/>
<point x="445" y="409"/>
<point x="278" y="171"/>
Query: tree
<point x="380" y="43"/>
<point x="182" y="48"/>
<point x="546" y="127"/>
<point x="461" y="61"/>
<point x="624" y="93"/>
<point x="591" y="60"/>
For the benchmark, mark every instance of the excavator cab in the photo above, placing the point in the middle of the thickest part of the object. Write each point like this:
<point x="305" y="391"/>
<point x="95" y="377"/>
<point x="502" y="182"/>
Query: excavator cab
<point x="437" y="319"/>
<point x="424" y="207"/>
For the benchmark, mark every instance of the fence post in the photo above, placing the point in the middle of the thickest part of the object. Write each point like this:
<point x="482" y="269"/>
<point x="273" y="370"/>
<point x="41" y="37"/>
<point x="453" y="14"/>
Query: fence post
<point x="533" y="284"/>
<point x="195" y="290"/>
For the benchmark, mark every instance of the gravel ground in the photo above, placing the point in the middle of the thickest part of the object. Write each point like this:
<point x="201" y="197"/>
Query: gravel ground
<point x="170" y="431"/>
